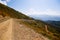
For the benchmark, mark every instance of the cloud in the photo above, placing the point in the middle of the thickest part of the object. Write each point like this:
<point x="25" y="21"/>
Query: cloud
<point x="4" y="1"/>
<point x="49" y="12"/>
<point x="7" y="0"/>
<point x="52" y="12"/>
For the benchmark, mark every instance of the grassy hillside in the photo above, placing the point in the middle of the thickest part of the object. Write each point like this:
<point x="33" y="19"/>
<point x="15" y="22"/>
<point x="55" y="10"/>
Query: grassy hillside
<point x="39" y="26"/>
<point x="7" y="11"/>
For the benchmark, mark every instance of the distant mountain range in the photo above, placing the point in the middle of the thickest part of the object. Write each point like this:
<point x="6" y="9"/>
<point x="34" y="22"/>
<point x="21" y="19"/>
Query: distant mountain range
<point x="55" y="23"/>
<point x="46" y="17"/>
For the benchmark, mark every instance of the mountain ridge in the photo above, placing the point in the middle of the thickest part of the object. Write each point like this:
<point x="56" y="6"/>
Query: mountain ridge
<point x="7" y="11"/>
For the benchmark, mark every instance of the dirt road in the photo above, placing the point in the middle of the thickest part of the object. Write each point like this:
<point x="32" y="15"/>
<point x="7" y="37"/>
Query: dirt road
<point x="13" y="30"/>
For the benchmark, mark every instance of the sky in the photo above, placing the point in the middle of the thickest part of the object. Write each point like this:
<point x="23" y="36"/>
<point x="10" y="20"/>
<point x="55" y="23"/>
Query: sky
<point x="36" y="8"/>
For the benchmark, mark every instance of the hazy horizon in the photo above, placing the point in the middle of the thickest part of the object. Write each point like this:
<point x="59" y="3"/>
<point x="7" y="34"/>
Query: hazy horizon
<point x="39" y="9"/>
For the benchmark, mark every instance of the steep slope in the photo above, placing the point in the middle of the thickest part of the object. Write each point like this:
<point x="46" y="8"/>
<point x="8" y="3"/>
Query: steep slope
<point x="7" y="11"/>
<point x="13" y="30"/>
<point x="22" y="27"/>
<point x="43" y="28"/>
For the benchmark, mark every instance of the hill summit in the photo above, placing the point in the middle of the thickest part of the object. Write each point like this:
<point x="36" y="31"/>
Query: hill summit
<point x="16" y="26"/>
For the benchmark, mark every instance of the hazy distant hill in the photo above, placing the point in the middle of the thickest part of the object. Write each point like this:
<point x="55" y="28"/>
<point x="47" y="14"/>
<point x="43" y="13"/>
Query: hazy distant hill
<point x="16" y="26"/>
<point x="55" y="23"/>
<point x="46" y="17"/>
